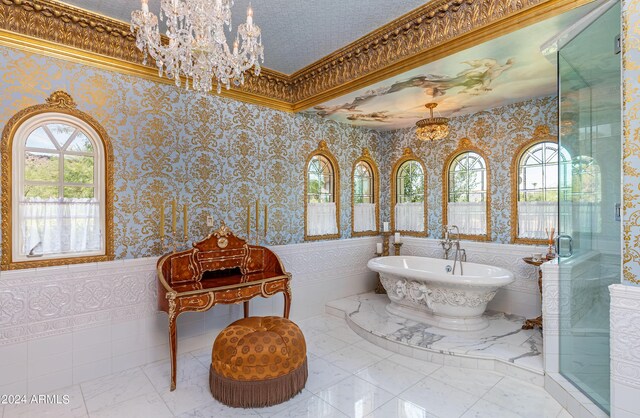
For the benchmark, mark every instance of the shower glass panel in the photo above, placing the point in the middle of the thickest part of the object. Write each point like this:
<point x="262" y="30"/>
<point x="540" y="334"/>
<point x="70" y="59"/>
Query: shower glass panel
<point x="590" y="194"/>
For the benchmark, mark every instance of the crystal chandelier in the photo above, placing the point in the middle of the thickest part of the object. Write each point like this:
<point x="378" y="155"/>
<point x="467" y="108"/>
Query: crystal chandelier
<point x="197" y="46"/>
<point x="430" y="129"/>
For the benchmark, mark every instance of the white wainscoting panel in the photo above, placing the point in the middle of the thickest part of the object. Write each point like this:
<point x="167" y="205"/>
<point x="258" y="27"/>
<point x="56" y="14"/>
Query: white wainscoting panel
<point x="65" y="325"/>
<point x="625" y="351"/>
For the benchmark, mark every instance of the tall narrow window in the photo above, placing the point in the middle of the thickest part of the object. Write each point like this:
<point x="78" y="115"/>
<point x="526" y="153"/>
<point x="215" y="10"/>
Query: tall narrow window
<point x="408" y="195"/>
<point x="467" y="194"/>
<point x="365" y="205"/>
<point x="58" y="198"/>
<point x="322" y="207"/>
<point x="538" y="188"/>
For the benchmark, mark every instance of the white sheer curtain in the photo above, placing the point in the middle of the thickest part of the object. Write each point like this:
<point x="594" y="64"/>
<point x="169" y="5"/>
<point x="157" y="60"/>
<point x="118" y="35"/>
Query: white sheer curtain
<point x="321" y="218"/>
<point x="469" y="217"/>
<point x="56" y="226"/>
<point x="534" y="218"/>
<point x="410" y="216"/>
<point x="364" y="217"/>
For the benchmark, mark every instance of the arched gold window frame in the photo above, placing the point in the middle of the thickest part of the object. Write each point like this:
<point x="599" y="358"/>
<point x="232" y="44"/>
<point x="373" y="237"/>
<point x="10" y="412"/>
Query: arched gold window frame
<point x="541" y="134"/>
<point x="323" y="151"/>
<point x="367" y="159"/>
<point x="408" y="155"/>
<point x="465" y="145"/>
<point x="58" y="102"/>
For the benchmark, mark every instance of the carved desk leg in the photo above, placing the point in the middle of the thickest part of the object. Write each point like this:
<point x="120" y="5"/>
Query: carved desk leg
<point x="173" y="336"/>
<point x="246" y="309"/>
<point x="287" y="300"/>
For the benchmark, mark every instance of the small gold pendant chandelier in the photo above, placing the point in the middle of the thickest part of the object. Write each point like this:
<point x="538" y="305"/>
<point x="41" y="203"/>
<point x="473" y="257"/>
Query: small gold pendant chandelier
<point x="431" y="129"/>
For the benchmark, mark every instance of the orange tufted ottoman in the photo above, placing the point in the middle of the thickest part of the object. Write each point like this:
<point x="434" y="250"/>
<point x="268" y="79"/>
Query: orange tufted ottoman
<point x="258" y="361"/>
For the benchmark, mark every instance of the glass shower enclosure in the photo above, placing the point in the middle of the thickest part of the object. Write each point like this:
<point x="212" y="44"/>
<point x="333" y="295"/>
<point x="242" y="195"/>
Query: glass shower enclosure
<point x="589" y="87"/>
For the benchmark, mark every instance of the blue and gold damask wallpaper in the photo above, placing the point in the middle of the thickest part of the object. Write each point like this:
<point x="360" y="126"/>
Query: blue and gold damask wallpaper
<point x="215" y="154"/>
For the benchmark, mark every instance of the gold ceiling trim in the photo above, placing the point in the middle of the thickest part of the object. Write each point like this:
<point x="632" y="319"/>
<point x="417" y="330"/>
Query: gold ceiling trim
<point x="419" y="37"/>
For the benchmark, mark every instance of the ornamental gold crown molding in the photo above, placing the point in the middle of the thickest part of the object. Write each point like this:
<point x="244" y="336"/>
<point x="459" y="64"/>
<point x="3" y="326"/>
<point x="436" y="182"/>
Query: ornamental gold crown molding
<point x="423" y="35"/>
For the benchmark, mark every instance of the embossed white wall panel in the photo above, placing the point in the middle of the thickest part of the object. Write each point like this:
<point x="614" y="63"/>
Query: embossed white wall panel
<point x="625" y="350"/>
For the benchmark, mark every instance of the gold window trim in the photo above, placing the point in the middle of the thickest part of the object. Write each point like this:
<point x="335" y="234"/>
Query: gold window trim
<point x="375" y="172"/>
<point x="58" y="102"/>
<point x="541" y="134"/>
<point x="430" y="32"/>
<point x="323" y="151"/>
<point x="408" y="155"/>
<point x="465" y="145"/>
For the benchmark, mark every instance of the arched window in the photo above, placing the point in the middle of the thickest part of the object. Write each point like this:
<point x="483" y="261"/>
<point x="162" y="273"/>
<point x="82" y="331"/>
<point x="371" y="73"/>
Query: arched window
<point x="408" y="195"/>
<point x="582" y="198"/>
<point x="365" y="202"/>
<point x="322" y="192"/>
<point x="466" y="194"/>
<point x="60" y="206"/>
<point x="537" y="170"/>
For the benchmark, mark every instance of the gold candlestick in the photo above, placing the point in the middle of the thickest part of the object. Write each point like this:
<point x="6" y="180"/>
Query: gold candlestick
<point x="248" y="222"/>
<point x="397" y="246"/>
<point x="185" y="229"/>
<point x="265" y="221"/>
<point x="173" y="216"/>
<point x="162" y="220"/>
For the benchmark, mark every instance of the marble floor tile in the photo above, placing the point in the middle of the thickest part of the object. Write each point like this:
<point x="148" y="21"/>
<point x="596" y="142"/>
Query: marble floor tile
<point x="473" y="381"/>
<point x="564" y="414"/>
<point x="312" y="407"/>
<point x="323" y="374"/>
<point x="203" y="355"/>
<point x="115" y="388"/>
<point x="345" y="333"/>
<point x="523" y="398"/>
<point x="424" y="367"/>
<point x="372" y="348"/>
<point x="399" y="408"/>
<point x="74" y="409"/>
<point x="438" y="398"/>
<point x="319" y="324"/>
<point x="323" y="344"/>
<point x="149" y="405"/>
<point x="484" y="409"/>
<point x="355" y="397"/>
<point x="218" y="410"/>
<point x="159" y="373"/>
<point x="188" y="395"/>
<point x="352" y="358"/>
<point x="390" y="376"/>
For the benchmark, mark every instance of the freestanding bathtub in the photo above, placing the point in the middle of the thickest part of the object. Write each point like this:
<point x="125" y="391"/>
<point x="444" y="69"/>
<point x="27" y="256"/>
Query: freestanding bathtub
<point x="425" y="290"/>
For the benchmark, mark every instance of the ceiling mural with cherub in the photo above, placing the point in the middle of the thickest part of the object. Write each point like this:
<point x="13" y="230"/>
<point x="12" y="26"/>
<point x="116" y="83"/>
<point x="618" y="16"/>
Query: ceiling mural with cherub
<point x="505" y="70"/>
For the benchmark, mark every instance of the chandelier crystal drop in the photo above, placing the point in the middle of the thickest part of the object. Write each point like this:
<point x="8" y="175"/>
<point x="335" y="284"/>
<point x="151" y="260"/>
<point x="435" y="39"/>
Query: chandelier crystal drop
<point x="197" y="47"/>
<point x="431" y="129"/>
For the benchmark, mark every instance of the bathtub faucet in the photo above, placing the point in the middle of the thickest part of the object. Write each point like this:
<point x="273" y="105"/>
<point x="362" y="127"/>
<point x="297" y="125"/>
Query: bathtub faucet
<point x="459" y="252"/>
<point x="446" y="243"/>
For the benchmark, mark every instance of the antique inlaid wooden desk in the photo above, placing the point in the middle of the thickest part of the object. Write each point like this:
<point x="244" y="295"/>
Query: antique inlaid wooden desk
<point x="222" y="268"/>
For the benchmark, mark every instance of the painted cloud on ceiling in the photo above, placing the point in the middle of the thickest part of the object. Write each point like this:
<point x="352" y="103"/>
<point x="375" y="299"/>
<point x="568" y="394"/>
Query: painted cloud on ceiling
<point x="502" y="71"/>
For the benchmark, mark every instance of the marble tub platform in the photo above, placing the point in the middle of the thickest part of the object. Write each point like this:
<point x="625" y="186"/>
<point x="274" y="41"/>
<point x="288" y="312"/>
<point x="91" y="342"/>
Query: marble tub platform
<point x="503" y="346"/>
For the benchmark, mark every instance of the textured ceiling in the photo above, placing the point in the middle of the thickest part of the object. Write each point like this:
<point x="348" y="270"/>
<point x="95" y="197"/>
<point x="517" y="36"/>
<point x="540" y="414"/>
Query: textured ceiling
<point x="295" y="33"/>
<point x="498" y="72"/>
